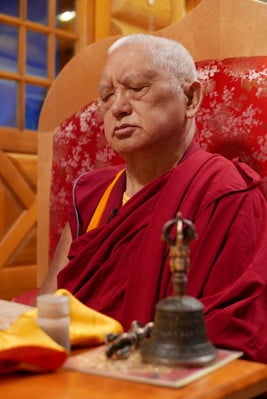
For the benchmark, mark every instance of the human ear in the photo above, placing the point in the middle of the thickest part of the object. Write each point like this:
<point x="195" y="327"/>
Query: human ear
<point x="193" y="94"/>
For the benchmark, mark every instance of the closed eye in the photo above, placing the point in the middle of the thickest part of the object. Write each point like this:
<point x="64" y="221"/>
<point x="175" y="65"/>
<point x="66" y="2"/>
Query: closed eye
<point x="105" y="98"/>
<point x="139" y="87"/>
<point x="139" y="90"/>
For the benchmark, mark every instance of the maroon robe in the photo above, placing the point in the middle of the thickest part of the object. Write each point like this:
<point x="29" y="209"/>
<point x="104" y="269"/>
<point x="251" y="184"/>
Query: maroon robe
<point x="121" y="268"/>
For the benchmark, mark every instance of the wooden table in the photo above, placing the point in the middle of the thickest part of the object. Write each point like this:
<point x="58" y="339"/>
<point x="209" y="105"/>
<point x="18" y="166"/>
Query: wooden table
<point x="237" y="380"/>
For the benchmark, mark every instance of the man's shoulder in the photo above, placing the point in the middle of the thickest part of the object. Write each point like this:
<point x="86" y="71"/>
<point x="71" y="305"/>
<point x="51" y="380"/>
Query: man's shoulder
<point x="220" y="174"/>
<point x="233" y="171"/>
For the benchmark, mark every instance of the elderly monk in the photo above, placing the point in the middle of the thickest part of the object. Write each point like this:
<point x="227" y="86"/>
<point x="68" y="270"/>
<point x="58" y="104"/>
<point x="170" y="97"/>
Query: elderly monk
<point x="117" y="262"/>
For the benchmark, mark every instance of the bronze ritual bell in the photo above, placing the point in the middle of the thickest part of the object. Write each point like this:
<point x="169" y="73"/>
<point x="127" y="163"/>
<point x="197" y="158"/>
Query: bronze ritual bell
<point x="179" y="335"/>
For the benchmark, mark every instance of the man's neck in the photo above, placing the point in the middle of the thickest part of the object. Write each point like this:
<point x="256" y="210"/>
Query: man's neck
<point x="142" y="170"/>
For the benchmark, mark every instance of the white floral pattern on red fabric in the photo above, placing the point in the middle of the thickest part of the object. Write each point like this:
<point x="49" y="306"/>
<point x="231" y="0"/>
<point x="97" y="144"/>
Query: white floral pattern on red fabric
<point x="233" y="117"/>
<point x="232" y="121"/>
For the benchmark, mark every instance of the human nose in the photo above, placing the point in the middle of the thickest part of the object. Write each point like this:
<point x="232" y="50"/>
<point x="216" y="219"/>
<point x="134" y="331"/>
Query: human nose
<point x="121" y="104"/>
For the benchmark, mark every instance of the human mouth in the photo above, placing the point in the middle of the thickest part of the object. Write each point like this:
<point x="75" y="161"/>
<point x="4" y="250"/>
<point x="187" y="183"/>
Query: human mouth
<point x="124" y="130"/>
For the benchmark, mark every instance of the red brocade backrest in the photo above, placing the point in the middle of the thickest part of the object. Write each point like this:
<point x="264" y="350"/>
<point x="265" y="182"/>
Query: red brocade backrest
<point x="231" y="121"/>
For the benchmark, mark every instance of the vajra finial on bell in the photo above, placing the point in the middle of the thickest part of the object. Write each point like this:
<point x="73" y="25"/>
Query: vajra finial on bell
<point x="179" y="250"/>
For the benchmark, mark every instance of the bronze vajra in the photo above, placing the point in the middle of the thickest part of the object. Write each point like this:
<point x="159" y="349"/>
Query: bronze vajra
<point x="119" y="346"/>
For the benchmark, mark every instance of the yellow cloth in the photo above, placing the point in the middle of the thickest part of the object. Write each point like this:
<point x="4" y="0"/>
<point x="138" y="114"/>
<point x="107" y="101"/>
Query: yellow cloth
<point x="24" y="345"/>
<point x="103" y="202"/>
